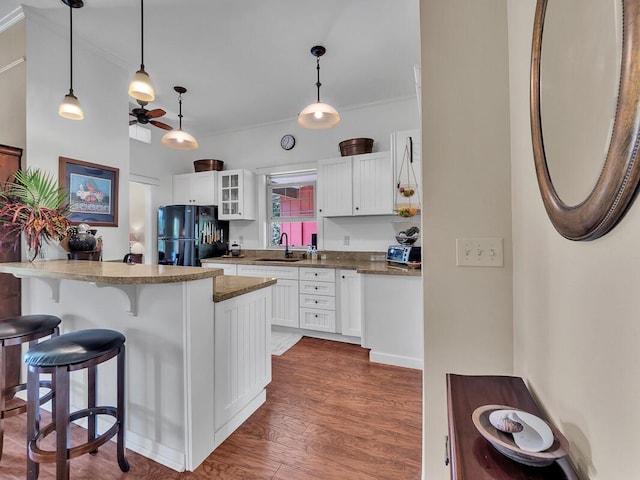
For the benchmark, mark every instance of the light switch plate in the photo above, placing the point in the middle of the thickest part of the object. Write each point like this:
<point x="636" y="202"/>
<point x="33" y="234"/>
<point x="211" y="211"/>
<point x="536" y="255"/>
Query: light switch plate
<point x="479" y="252"/>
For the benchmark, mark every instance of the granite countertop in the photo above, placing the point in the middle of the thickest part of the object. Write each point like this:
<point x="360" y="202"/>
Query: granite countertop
<point x="360" y="262"/>
<point x="110" y="273"/>
<point x="229" y="286"/>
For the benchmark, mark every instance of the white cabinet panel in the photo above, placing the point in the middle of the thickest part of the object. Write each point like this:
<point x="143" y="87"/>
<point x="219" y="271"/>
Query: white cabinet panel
<point x="356" y="185"/>
<point x="242" y="353"/>
<point x="316" y="319"/>
<point x="318" y="288"/>
<point x="318" y="274"/>
<point x="350" y="303"/>
<point x="335" y="190"/>
<point x="317" y="301"/>
<point x="199" y="188"/>
<point x="284" y="293"/>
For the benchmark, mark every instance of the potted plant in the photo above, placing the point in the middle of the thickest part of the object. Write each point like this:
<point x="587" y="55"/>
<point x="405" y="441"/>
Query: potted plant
<point x="31" y="203"/>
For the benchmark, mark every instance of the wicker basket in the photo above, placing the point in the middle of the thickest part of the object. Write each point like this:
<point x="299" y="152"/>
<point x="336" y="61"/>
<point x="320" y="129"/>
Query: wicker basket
<point x="208" y="164"/>
<point x="356" y="146"/>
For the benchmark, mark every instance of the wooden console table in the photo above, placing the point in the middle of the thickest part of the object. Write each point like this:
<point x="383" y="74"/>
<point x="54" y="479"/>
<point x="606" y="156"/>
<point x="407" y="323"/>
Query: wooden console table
<point x="472" y="457"/>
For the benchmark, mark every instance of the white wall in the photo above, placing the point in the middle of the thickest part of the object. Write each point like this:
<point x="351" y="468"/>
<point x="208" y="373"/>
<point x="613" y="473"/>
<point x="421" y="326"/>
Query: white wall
<point x="467" y="190"/>
<point x="102" y="137"/>
<point x="13" y="87"/>
<point x="576" y="314"/>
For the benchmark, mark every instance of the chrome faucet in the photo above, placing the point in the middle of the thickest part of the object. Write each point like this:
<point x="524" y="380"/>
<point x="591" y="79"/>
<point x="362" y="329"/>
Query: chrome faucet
<point x="287" y="253"/>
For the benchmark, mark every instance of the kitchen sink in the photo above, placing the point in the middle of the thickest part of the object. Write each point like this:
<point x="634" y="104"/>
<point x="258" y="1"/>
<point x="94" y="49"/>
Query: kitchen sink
<point x="280" y="259"/>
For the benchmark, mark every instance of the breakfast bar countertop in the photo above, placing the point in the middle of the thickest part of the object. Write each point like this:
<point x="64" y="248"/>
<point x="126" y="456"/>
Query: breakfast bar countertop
<point x="109" y="273"/>
<point x="230" y="286"/>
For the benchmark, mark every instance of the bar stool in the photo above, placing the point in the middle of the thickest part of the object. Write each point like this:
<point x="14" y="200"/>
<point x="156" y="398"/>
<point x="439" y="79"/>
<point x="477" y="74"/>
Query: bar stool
<point x="16" y="331"/>
<point x="59" y="356"/>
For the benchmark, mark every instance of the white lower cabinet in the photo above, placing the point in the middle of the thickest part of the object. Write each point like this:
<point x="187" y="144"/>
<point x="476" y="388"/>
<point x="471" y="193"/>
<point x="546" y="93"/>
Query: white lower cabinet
<point x="242" y="352"/>
<point x="350" y="302"/>
<point x="285" y="311"/>
<point x="317" y="299"/>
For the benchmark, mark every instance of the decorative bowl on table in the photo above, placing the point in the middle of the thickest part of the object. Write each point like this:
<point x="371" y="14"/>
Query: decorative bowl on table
<point x="532" y="442"/>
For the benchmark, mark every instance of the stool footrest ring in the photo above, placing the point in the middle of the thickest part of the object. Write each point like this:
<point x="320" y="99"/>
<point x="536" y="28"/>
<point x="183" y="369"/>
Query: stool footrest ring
<point x="21" y="408"/>
<point x="49" y="456"/>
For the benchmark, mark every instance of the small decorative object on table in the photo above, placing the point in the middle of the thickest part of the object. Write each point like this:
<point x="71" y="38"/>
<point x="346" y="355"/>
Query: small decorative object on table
<point x="519" y="435"/>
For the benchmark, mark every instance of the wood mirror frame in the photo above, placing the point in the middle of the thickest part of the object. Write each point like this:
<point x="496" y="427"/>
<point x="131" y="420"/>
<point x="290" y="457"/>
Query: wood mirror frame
<point x="617" y="184"/>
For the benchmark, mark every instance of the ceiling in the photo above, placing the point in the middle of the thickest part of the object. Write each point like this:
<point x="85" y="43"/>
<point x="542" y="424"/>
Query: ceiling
<point x="248" y="62"/>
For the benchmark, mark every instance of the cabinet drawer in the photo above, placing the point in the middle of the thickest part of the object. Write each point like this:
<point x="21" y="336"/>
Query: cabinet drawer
<point x="318" y="301"/>
<point x="315" y="319"/>
<point x="318" y="288"/>
<point x="318" y="274"/>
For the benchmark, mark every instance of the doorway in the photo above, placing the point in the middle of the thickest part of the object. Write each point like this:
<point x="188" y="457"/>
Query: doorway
<point x="142" y="218"/>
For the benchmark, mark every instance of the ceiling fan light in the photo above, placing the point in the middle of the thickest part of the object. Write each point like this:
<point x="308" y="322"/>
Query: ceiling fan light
<point x="318" y="116"/>
<point x="180" y="140"/>
<point x="70" y="107"/>
<point x="141" y="87"/>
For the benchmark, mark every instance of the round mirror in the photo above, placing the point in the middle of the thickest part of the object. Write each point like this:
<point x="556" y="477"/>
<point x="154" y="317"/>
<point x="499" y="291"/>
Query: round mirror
<point x="585" y="97"/>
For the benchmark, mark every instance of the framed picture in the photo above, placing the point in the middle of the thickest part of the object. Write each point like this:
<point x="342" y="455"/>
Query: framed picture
<point x="92" y="192"/>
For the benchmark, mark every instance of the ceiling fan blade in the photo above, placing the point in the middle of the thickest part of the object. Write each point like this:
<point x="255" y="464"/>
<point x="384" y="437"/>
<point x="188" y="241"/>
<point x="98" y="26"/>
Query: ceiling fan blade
<point x="164" y="126"/>
<point x="133" y="122"/>
<point x="155" y="113"/>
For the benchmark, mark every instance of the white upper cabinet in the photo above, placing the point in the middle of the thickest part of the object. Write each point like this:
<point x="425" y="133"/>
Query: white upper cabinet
<point x="236" y="195"/>
<point x="199" y="188"/>
<point x="356" y="185"/>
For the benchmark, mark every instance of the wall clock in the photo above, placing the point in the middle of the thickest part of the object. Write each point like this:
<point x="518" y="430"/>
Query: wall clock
<point x="287" y="142"/>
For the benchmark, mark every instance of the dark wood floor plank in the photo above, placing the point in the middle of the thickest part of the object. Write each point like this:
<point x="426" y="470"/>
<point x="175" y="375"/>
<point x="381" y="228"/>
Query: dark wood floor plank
<point x="330" y="415"/>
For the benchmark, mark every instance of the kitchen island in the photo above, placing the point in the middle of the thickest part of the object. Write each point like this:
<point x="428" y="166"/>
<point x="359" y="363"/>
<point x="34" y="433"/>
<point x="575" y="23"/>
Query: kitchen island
<point x="197" y="362"/>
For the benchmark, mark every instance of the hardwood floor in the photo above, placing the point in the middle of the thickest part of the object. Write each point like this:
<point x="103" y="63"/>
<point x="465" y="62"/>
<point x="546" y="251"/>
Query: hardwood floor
<point x="330" y="415"/>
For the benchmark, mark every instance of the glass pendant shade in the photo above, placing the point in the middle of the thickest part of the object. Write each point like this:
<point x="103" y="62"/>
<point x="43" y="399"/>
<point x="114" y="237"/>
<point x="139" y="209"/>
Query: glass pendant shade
<point x="70" y="107"/>
<point x="180" y="140"/>
<point x="318" y="116"/>
<point x="141" y="87"/>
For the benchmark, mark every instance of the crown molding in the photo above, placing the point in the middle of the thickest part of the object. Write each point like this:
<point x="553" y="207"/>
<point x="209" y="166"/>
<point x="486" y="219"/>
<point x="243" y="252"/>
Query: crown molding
<point x="11" y="19"/>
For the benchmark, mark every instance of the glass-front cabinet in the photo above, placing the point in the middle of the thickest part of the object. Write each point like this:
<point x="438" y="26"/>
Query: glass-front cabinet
<point x="236" y="195"/>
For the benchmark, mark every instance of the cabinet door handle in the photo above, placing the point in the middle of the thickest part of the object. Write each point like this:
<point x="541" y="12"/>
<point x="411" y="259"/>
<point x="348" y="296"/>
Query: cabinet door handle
<point x="319" y="209"/>
<point x="316" y="274"/>
<point x="316" y="288"/>
<point x="316" y="301"/>
<point x="342" y="276"/>
<point x="357" y="208"/>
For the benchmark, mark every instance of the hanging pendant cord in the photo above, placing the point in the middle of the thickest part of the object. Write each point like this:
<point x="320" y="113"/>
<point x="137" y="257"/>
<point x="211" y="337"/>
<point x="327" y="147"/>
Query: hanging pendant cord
<point x="180" y="110"/>
<point x="70" y="50"/>
<point x="318" y="82"/>
<point x="141" y="34"/>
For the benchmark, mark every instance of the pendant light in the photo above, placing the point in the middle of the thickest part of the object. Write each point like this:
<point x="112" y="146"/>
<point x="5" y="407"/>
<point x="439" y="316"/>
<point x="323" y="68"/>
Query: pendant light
<point x="141" y="87"/>
<point x="318" y="115"/>
<point x="179" y="139"/>
<point x="70" y="107"/>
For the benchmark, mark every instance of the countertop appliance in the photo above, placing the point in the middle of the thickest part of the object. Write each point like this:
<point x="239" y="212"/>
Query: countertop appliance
<point x="189" y="233"/>
<point x="404" y="254"/>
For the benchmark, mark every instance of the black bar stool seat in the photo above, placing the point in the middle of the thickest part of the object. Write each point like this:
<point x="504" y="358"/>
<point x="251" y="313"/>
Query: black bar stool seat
<point x="16" y="331"/>
<point x="59" y="356"/>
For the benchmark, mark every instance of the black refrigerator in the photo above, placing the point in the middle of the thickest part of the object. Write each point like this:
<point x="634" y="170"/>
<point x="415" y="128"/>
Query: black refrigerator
<point x="189" y="233"/>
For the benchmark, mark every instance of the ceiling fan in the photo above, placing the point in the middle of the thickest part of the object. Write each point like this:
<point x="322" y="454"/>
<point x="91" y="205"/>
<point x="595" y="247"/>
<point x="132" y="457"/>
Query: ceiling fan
<point x="144" y="116"/>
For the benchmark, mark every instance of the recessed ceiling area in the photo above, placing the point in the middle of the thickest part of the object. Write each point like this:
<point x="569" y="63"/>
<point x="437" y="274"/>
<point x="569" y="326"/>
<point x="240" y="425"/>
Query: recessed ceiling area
<point x="247" y="62"/>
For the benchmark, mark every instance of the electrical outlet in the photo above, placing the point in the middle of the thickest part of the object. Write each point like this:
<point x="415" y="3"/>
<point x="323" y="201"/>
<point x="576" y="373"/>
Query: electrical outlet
<point x="479" y="252"/>
<point x="347" y="239"/>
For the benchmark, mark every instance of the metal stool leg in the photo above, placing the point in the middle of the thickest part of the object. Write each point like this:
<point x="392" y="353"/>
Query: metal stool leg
<point x="122" y="460"/>
<point x="92" y="393"/>
<point x="33" y="417"/>
<point x="3" y="363"/>
<point x="63" y="425"/>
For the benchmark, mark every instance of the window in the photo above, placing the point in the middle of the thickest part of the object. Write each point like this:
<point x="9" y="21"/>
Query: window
<point x="291" y="208"/>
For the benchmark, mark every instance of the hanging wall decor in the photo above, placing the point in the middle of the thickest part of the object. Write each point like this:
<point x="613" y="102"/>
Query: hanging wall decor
<point x="407" y="195"/>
